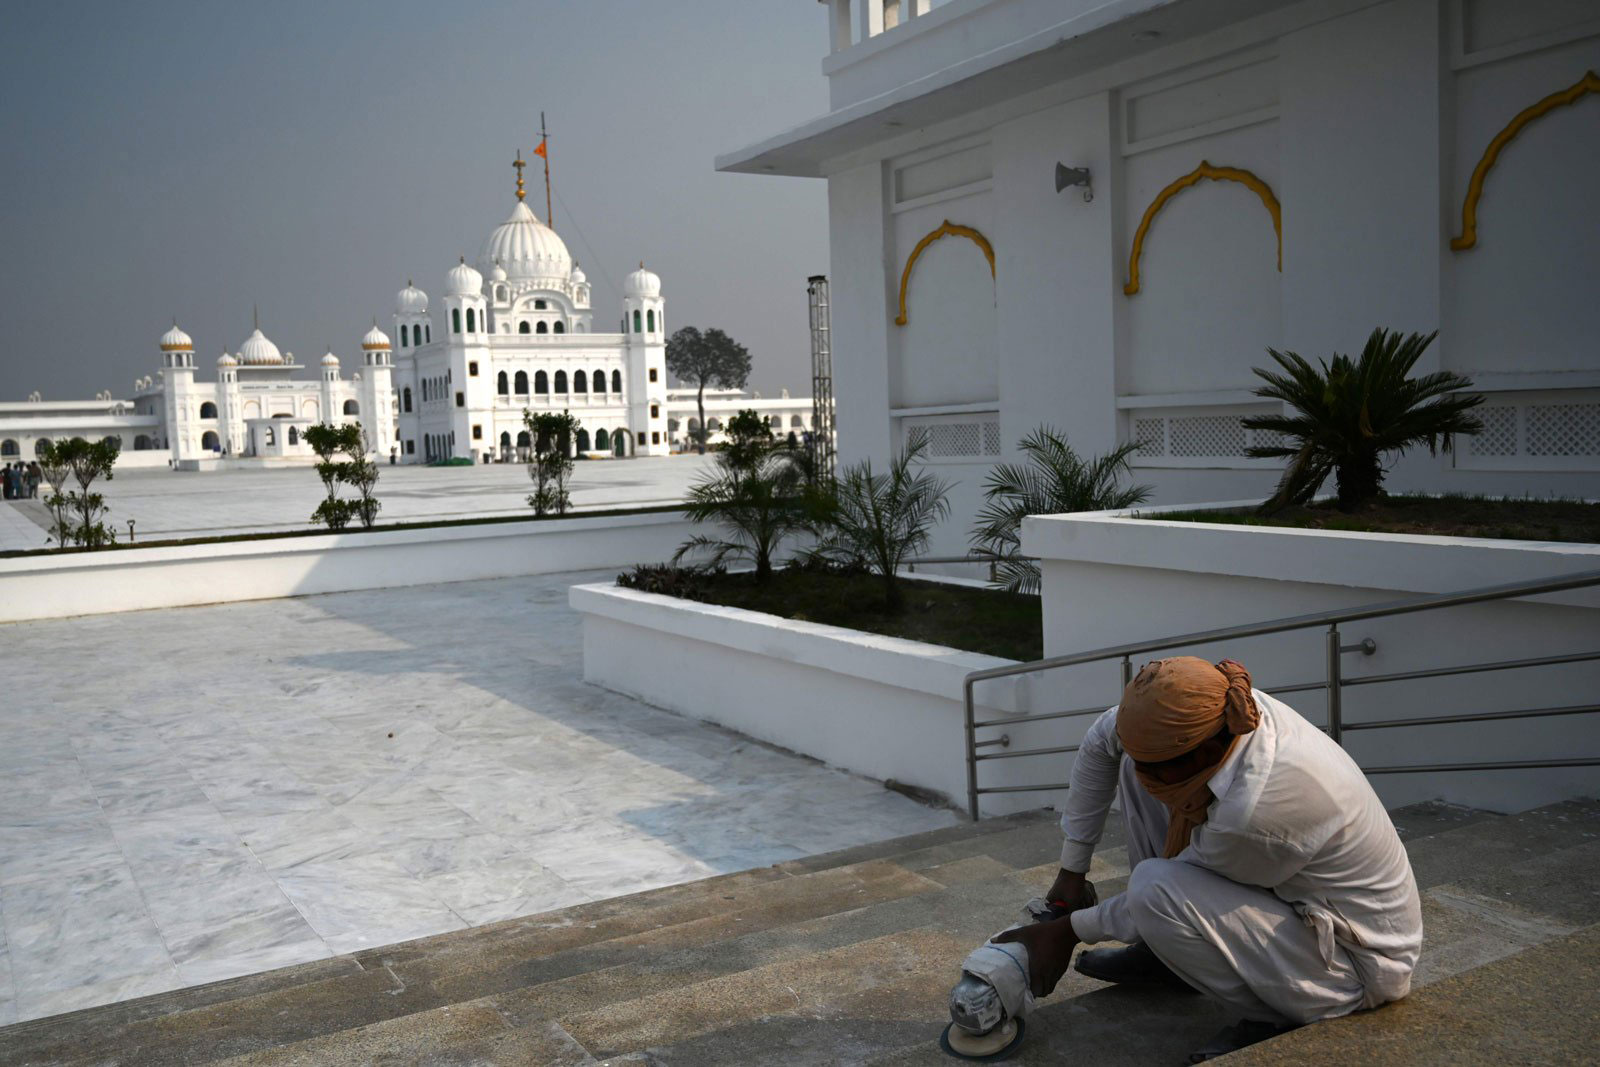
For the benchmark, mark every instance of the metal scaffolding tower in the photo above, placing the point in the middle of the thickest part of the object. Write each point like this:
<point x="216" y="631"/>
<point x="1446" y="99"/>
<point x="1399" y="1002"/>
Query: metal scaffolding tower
<point x="822" y="442"/>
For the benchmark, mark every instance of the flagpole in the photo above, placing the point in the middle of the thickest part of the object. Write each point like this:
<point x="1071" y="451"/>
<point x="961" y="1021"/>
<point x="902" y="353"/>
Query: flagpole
<point x="544" y="142"/>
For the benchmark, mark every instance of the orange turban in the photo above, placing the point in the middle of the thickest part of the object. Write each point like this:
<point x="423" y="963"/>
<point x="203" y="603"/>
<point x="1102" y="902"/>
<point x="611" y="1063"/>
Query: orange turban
<point x="1168" y="709"/>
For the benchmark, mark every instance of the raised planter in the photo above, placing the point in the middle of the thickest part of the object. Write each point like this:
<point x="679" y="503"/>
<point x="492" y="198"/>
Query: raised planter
<point x="133" y="579"/>
<point x="1110" y="577"/>
<point x="880" y="706"/>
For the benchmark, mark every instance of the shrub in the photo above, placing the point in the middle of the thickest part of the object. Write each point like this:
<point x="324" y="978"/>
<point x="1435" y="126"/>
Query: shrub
<point x="758" y="493"/>
<point x="881" y="520"/>
<point x="1053" y="479"/>
<point x="1351" y="414"/>
<point x="551" y="464"/>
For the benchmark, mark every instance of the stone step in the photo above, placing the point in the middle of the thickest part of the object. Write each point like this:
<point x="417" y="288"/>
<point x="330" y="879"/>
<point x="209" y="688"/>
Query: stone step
<point x="666" y="974"/>
<point x="1539" y="1006"/>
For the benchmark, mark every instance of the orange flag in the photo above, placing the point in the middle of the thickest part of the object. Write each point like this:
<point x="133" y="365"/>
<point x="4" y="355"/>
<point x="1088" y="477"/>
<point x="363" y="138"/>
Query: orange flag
<point x="540" y="150"/>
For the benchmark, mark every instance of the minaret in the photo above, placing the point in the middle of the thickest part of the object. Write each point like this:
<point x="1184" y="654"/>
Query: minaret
<point x="330" y="392"/>
<point x="376" y="392"/>
<point x="644" y="351"/>
<point x="182" y="406"/>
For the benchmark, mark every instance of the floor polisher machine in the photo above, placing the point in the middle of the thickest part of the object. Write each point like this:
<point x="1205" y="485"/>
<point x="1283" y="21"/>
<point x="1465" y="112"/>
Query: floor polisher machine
<point x="989" y="1006"/>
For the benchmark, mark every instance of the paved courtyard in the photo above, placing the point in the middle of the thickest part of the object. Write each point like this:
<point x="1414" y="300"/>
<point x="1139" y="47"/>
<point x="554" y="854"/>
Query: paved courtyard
<point x="165" y="503"/>
<point x="199" y="793"/>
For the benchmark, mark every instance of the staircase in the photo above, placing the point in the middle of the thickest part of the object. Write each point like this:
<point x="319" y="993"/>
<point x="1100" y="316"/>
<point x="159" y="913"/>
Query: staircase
<point x="849" y="957"/>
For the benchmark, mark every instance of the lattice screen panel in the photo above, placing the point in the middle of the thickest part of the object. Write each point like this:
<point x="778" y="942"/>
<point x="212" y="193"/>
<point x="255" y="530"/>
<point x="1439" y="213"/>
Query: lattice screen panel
<point x="1499" y="436"/>
<point x="1207" y="435"/>
<point x="1151" y="436"/>
<point x="1564" y="429"/>
<point x="957" y="436"/>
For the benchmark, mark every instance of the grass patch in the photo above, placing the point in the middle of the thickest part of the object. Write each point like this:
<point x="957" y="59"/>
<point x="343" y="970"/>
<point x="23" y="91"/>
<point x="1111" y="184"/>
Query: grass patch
<point x="995" y="623"/>
<point x="1570" y="521"/>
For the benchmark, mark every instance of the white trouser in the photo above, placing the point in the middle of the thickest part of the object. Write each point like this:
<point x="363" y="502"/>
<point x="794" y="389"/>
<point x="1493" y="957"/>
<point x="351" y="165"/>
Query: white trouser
<point x="1238" y="944"/>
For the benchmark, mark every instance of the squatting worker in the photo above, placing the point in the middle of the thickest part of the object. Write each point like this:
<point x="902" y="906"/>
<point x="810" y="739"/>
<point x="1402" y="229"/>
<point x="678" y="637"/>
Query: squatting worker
<point x="1265" y="873"/>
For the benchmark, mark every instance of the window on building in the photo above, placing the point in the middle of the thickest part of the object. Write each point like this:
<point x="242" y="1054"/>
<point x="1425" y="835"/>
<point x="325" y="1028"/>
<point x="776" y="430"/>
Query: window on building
<point x="561" y="381"/>
<point x="539" y="305"/>
<point x="352" y="408"/>
<point x="477" y="432"/>
<point x="650" y="320"/>
<point x="599" y="381"/>
<point x="561" y="327"/>
<point x="637" y="318"/>
<point x="580" y="382"/>
<point x="543" y="327"/>
<point x="472" y="370"/>
<point x="294" y="436"/>
<point x="208" y="410"/>
<point x="652" y="374"/>
<point x="797" y="422"/>
<point x="602" y="440"/>
<point x="616" y="381"/>
<point x="461" y="399"/>
<point x="472" y="321"/>
<point x="541" y="382"/>
<point x="655" y="411"/>
<point x="583" y="439"/>
<point x="522" y="382"/>
<point x="403" y="341"/>
<point x="455" y="320"/>
<point x="713" y="424"/>
<point x="405" y="399"/>
<point x="429" y="339"/>
<point x="411" y="447"/>
<point x="522" y="327"/>
<point x="655" y="437"/>
<point x="523" y="440"/>
<point x="208" y="441"/>
<point x="502" y="384"/>
<point x="272" y="438"/>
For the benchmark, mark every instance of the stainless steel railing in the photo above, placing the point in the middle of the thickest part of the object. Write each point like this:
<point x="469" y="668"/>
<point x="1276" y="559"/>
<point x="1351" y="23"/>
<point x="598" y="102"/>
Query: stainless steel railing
<point x="1333" y="684"/>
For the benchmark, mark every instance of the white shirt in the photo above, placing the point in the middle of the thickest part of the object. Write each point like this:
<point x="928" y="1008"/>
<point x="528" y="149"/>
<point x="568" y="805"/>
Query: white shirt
<point x="1294" y="815"/>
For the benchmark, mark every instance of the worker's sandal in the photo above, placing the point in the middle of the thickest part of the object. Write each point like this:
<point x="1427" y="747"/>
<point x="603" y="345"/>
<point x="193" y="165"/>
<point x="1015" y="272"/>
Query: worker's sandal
<point x="1240" y="1035"/>
<point x="1131" y="965"/>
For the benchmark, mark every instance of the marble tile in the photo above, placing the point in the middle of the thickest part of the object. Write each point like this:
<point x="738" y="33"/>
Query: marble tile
<point x="38" y="1002"/>
<point x="180" y="844"/>
<point x="549" y="898"/>
<point x="470" y="852"/>
<point x="55" y="846"/>
<point x="289" y="839"/>
<point x="365" y="901"/>
<point x="93" y="927"/>
<point x="474" y="887"/>
<point x="204" y="969"/>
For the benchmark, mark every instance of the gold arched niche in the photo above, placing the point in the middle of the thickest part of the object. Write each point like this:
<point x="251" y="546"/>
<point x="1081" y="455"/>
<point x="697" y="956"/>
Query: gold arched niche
<point x="1468" y="238"/>
<point x="946" y="229"/>
<point x="1194" y="177"/>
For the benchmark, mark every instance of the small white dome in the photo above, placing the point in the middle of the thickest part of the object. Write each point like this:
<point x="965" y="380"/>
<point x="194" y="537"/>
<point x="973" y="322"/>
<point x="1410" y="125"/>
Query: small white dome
<point x="258" y="351"/>
<point x="577" y="277"/>
<point x="175" y="340"/>
<point x="497" y="273"/>
<point x="527" y="249"/>
<point x="411" y="301"/>
<point x="226" y="360"/>
<point x="375" y="339"/>
<point x="642" y="282"/>
<point x="330" y="360"/>
<point x="463" y="281"/>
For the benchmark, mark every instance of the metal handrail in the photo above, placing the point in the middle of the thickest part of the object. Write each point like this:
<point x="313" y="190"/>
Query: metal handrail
<point x="1334" y="684"/>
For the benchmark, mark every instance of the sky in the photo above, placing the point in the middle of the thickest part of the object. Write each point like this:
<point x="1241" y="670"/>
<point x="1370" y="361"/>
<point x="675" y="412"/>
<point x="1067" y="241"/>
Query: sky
<point x="196" y="160"/>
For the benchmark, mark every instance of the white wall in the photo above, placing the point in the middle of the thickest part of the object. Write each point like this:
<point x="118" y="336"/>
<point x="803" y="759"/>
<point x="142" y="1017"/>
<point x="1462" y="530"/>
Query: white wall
<point x="875" y="705"/>
<point x="1366" y="121"/>
<point x="1110" y="580"/>
<point x="136" y="579"/>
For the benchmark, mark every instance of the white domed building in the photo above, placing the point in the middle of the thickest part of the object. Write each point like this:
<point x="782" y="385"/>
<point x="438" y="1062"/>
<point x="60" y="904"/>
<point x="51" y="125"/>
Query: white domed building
<point x="516" y="332"/>
<point x="256" y="412"/>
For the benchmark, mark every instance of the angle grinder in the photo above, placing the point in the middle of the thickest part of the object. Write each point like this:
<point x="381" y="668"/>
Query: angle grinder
<point x="988" y="1004"/>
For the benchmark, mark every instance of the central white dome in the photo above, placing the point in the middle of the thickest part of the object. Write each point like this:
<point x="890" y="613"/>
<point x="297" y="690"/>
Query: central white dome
<point x="258" y="351"/>
<point x="526" y="249"/>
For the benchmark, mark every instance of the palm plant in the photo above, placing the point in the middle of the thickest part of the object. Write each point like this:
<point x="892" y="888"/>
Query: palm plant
<point x="881" y="520"/>
<point x="1053" y="479"/>
<point x="758" y="494"/>
<point x="1350" y="415"/>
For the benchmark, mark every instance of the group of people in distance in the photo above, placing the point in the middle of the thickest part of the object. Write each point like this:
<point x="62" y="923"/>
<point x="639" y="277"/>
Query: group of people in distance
<point x="21" y="480"/>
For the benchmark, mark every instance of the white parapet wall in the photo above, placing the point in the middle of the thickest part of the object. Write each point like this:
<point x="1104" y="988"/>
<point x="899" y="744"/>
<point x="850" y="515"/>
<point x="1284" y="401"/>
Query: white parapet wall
<point x="134" y="579"/>
<point x="880" y="706"/>
<point x="1112" y="578"/>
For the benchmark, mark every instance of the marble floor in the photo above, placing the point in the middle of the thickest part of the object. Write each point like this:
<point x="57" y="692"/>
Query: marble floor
<point x="165" y="503"/>
<point x="193" y="794"/>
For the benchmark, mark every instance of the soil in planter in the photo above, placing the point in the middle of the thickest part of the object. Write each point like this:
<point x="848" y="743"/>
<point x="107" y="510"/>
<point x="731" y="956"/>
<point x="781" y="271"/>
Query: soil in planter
<point x="1446" y="516"/>
<point x="975" y="620"/>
